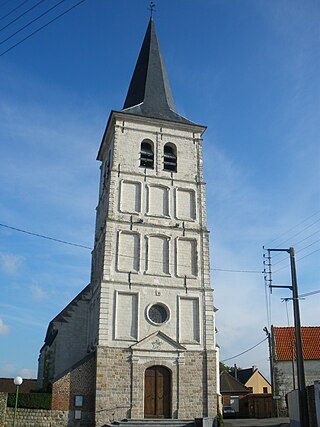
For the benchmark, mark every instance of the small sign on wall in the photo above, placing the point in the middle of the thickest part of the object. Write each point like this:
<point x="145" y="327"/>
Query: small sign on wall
<point x="77" y="414"/>
<point x="78" y="400"/>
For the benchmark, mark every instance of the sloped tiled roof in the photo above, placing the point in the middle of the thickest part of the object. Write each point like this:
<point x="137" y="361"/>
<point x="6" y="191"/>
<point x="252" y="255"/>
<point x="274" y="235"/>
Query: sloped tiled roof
<point x="228" y="384"/>
<point x="283" y="337"/>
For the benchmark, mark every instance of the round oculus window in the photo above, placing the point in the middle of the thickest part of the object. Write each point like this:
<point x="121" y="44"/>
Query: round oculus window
<point x="158" y="314"/>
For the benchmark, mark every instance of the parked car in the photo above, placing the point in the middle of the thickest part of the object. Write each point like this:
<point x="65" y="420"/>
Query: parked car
<point x="228" y="410"/>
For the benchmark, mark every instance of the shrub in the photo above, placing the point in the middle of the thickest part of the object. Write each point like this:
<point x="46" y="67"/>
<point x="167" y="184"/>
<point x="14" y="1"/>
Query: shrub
<point x="30" y="400"/>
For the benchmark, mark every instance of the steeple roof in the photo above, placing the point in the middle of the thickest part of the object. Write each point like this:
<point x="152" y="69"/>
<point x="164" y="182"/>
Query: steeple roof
<point x="149" y="92"/>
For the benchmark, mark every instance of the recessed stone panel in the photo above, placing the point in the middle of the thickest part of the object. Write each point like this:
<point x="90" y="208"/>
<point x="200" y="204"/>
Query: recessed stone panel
<point x="185" y="204"/>
<point x="126" y="326"/>
<point x="157" y="255"/>
<point x="186" y="257"/>
<point x="189" y="327"/>
<point x="128" y="252"/>
<point x="158" y="200"/>
<point x="130" y="197"/>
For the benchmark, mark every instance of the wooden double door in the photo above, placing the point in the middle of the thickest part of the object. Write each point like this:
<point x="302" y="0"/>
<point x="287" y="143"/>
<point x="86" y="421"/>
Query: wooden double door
<point x="157" y="392"/>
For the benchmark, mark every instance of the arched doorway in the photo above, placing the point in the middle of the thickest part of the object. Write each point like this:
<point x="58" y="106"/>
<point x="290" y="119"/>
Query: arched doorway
<point x="157" y="392"/>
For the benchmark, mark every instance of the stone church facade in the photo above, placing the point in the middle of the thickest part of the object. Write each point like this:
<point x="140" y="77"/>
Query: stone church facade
<point x="139" y="341"/>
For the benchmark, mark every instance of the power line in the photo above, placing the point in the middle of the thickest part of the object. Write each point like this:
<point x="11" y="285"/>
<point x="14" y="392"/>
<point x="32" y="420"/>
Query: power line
<point x="298" y="259"/>
<point x="22" y="14"/>
<point x="119" y="255"/>
<point x="297" y="234"/>
<point x="311" y="253"/>
<point x="44" y="237"/>
<point x="300" y="241"/>
<point x="13" y="10"/>
<point x="238" y="271"/>
<point x="309" y="293"/>
<point x="303" y="295"/>
<point x="246" y="351"/>
<point x="300" y="250"/>
<point x="31" y="22"/>
<point x="306" y="238"/>
<point x="294" y="245"/>
<point x="43" y="26"/>
<point x="267" y="305"/>
<point x="295" y="226"/>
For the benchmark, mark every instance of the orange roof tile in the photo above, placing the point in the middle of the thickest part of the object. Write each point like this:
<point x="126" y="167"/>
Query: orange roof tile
<point x="283" y="337"/>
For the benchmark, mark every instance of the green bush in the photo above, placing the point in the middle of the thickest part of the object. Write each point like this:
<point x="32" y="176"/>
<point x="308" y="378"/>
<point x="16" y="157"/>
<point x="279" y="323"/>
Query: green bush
<point x="30" y="400"/>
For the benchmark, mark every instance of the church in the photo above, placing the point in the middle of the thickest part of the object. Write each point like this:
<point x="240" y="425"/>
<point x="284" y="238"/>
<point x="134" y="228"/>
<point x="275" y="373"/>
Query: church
<point x="138" y="342"/>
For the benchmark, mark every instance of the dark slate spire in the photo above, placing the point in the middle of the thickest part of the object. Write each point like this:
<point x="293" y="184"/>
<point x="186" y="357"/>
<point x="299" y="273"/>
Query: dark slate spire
<point x="149" y="92"/>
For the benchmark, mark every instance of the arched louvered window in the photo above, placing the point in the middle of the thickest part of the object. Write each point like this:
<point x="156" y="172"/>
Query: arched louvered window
<point x="146" y="154"/>
<point x="170" y="158"/>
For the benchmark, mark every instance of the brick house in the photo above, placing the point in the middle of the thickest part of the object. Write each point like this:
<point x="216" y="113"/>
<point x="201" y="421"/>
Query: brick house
<point x="232" y="391"/>
<point x="246" y="402"/>
<point x="284" y="358"/>
<point x="139" y="340"/>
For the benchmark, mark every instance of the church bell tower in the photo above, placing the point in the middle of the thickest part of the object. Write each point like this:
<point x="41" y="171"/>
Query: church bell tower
<point x="152" y="317"/>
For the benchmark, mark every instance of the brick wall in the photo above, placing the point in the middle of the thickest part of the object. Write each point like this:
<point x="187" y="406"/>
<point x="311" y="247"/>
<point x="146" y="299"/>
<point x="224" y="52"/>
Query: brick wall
<point x="80" y="380"/>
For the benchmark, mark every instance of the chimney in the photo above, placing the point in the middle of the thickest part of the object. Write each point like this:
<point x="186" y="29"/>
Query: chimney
<point x="235" y="372"/>
<point x="253" y="368"/>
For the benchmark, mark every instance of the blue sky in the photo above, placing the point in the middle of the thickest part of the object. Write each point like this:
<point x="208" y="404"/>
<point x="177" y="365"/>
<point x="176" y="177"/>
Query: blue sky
<point x="248" y="69"/>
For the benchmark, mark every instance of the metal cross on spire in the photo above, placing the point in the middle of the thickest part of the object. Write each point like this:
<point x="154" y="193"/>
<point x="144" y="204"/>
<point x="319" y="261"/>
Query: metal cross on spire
<point x="151" y="8"/>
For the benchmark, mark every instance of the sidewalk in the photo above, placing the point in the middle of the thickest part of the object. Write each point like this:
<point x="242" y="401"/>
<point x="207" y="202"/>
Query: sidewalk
<point x="257" y="422"/>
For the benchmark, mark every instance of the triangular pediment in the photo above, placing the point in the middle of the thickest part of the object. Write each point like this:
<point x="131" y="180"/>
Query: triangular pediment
<point x="158" y="341"/>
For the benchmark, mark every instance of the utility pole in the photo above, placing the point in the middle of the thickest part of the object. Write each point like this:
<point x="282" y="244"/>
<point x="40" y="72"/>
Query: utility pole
<point x="297" y="326"/>
<point x="303" y="405"/>
<point x="274" y="411"/>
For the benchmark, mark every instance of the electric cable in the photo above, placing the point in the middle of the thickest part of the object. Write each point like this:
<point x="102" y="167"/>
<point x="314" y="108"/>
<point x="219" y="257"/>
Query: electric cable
<point x="298" y="251"/>
<point x="246" y="351"/>
<point x="20" y="16"/>
<point x="300" y="241"/>
<point x="44" y="237"/>
<point x="31" y="22"/>
<point x="298" y="259"/>
<point x="309" y="293"/>
<point x="302" y="295"/>
<point x="13" y="10"/>
<point x="119" y="255"/>
<point x="311" y="253"/>
<point x="268" y="303"/>
<point x="301" y="231"/>
<point x="292" y="228"/>
<point x="237" y="271"/>
<point x="42" y="27"/>
<point x="308" y="237"/>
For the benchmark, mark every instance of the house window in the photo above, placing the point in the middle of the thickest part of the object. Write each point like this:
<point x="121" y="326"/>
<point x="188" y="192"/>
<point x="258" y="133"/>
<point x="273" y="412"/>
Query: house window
<point x="265" y="389"/>
<point x="170" y="158"/>
<point x="146" y="154"/>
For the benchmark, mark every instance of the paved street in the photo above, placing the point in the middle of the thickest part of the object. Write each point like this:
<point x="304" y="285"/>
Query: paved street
<point x="257" y="422"/>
